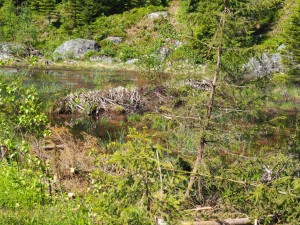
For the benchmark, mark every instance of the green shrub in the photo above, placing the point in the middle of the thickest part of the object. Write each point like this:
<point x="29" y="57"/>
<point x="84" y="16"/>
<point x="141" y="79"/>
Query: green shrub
<point x="126" y="52"/>
<point x="25" y="200"/>
<point x="116" y="25"/>
<point x="108" y="48"/>
<point x="20" y="188"/>
<point x="281" y="78"/>
<point x="134" y="118"/>
<point x="144" y="189"/>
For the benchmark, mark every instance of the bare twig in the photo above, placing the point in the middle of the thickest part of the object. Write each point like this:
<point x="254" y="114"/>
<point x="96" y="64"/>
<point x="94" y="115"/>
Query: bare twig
<point x="238" y="221"/>
<point x="52" y="147"/>
<point x="160" y="175"/>
<point x="200" y="208"/>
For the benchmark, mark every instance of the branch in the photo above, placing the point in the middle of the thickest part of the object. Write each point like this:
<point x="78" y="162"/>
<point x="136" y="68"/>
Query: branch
<point x="52" y="147"/>
<point x="238" y="221"/>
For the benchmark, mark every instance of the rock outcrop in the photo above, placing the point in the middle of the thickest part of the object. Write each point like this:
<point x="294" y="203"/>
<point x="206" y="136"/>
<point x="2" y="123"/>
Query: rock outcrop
<point x="131" y="61"/>
<point x="10" y="50"/>
<point x="264" y="65"/>
<point x="115" y="40"/>
<point x="102" y="58"/>
<point x="156" y="15"/>
<point x="76" y="48"/>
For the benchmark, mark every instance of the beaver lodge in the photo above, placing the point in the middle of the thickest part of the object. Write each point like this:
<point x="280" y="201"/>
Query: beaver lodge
<point x="121" y="99"/>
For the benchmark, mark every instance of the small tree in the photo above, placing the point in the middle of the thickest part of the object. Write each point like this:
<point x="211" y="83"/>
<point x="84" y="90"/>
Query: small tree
<point x="293" y="40"/>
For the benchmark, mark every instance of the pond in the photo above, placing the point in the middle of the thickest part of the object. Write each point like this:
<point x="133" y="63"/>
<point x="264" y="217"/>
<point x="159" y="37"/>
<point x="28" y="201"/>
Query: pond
<point x="52" y="84"/>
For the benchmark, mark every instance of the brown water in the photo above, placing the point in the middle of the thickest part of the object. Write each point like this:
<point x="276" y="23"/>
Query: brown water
<point x="73" y="79"/>
<point x="52" y="84"/>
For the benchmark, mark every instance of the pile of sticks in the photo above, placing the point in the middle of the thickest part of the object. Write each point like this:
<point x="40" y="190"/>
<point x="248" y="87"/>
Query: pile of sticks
<point x="95" y="102"/>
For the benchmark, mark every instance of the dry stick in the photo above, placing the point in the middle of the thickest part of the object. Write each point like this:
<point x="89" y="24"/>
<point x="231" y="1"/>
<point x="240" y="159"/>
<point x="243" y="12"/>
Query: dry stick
<point x="200" y="208"/>
<point x="45" y="170"/>
<point x="3" y="151"/>
<point x="160" y="176"/>
<point x="53" y="147"/>
<point x="238" y="221"/>
<point x="147" y="189"/>
<point x="209" y="112"/>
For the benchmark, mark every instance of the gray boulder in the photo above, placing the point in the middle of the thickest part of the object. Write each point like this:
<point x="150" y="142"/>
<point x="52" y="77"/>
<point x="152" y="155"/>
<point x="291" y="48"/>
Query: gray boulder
<point x="115" y="40"/>
<point x="131" y="61"/>
<point x="76" y="48"/>
<point x="164" y="52"/>
<point x="174" y="43"/>
<point x="264" y="65"/>
<point x="156" y="15"/>
<point x="9" y="50"/>
<point x="102" y="58"/>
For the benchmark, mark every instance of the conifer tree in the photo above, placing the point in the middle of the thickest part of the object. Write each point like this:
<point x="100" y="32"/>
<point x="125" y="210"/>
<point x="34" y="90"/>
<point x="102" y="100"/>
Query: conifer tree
<point x="8" y="21"/>
<point x="44" y="7"/>
<point x="228" y="27"/>
<point x="293" y="41"/>
<point x="251" y="19"/>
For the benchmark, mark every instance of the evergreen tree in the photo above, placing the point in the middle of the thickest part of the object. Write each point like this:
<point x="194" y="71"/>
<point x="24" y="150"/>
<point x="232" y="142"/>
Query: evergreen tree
<point x="224" y="30"/>
<point x="293" y="41"/>
<point x="249" y="21"/>
<point x="8" y="21"/>
<point x="45" y="7"/>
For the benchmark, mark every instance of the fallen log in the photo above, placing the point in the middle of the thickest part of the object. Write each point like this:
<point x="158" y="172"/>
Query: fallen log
<point x="201" y="208"/>
<point x="238" y="221"/>
<point x="52" y="147"/>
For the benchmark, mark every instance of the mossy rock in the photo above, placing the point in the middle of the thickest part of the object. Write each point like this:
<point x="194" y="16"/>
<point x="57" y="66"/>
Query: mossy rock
<point x="9" y="50"/>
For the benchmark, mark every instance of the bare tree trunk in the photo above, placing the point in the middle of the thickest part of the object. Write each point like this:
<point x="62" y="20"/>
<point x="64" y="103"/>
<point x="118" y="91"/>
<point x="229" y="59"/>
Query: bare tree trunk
<point x="209" y="110"/>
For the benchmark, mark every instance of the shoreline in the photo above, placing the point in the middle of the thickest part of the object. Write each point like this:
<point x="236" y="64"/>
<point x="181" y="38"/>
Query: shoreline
<point x="81" y="65"/>
<point x="72" y="65"/>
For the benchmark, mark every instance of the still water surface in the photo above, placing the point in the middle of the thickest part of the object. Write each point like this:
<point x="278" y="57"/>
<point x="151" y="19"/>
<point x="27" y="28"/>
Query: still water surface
<point x="52" y="84"/>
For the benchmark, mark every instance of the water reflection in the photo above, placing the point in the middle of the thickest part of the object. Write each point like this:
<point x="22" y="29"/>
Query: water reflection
<point x="73" y="80"/>
<point x="52" y="84"/>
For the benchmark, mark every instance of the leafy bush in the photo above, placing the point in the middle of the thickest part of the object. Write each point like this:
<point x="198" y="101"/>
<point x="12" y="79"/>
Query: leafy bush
<point x="108" y="48"/>
<point x="19" y="188"/>
<point x="115" y="25"/>
<point x="25" y="199"/>
<point x="126" y="52"/>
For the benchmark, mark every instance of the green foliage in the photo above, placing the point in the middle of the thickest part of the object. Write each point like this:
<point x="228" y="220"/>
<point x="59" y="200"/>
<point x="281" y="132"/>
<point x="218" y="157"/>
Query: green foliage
<point x="158" y="122"/>
<point x="19" y="188"/>
<point x="17" y="26"/>
<point x="292" y="39"/>
<point x="246" y="23"/>
<point x="134" y="118"/>
<point x="20" y="114"/>
<point x="21" y="107"/>
<point x="142" y="185"/>
<point x="281" y="79"/>
<point x="8" y="18"/>
<point x="115" y="25"/>
<point x="185" y="53"/>
<point x="138" y="178"/>
<point x="150" y="63"/>
<point x="126" y="52"/>
<point x="25" y="182"/>
<point x="108" y="48"/>
<point x="25" y="200"/>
